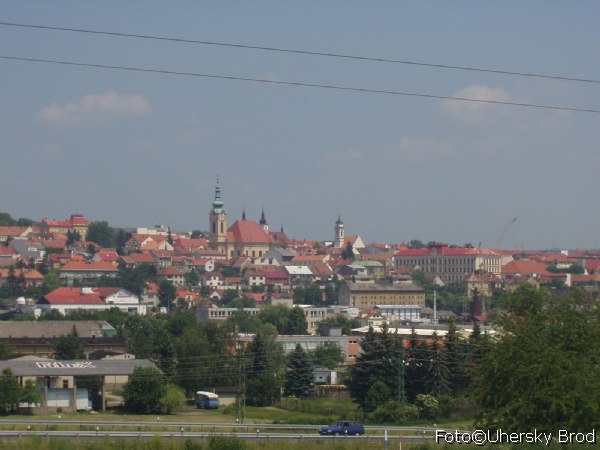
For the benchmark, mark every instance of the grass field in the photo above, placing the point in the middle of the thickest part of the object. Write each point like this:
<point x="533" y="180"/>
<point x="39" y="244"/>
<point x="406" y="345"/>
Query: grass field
<point x="290" y="411"/>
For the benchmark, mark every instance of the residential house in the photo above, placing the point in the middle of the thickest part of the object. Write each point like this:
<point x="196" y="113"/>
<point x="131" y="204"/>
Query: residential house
<point x="212" y="279"/>
<point x="299" y="275"/>
<point x="171" y="274"/>
<point x="28" y="249"/>
<point x="66" y="299"/>
<point x="254" y="278"/>
<point x="121" y="298"/>
<point x="30" y="277"/>
<point x="84" y="272"/>
<point x="369" y="295"/>
<point x="8" y="256"/>
<point x="9" y="233"/>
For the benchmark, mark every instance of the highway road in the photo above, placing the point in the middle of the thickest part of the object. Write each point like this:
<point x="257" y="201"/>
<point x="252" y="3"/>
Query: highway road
<point x="63" y="429"/>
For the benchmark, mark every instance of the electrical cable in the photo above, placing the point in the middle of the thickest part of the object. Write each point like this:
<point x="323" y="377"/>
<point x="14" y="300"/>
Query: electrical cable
<point x="302" y="84"/>
<point x="304" y="52"/>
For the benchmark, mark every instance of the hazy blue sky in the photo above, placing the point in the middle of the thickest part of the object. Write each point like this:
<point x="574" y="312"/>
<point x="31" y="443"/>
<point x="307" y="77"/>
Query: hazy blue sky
<point x="138" y="149"/>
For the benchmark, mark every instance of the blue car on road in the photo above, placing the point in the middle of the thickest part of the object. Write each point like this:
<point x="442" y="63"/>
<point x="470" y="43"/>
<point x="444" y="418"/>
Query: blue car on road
<point x="343" y="428"/>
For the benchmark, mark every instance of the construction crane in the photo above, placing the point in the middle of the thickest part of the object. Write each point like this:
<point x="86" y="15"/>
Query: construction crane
<point x="503" y="232"/>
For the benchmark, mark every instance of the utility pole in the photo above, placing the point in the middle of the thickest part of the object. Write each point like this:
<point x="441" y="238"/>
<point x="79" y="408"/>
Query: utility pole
<point x="241" y="374"/>
<point x="401" y="398"/>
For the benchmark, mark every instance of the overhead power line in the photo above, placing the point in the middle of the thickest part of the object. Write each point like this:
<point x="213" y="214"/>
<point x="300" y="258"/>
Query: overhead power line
<point x="304" y="52"/>
<point x="301" y="84"/>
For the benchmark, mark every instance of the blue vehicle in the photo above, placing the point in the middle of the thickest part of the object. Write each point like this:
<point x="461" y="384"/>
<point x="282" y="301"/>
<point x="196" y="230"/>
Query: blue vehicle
<point x="207" y="400"/>
<point x="343" y="428"/>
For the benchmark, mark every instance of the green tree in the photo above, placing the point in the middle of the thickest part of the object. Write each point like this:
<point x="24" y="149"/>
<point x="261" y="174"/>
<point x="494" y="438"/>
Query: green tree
<point x="543" y="370"/>
<point x="6" y="220"/>
<point x="415" y="372"/>
<point x="10" y="391"/>
<point x="6" y="351"/>
<point x="69" y="346"/>
<point x="331" y="294"/>
<point x="192" y="278"/>
<point x="266" y="356"/>
<point x="148" y="337"/>
<point x="173" y="398"/>
<point x="276" y="315"/>
<point x="135" y="279"/>
<point x="102" y="234"/>
<point x="144" y="390"/>
<point x="195" y="360"/>
<point x="313" y="295"/>
<point x="377" y="395"/>
<point x="299" y="376"/>
<point x="30" y="393"/>
<point x="166" y="293"/>
<point x="437" y="381"/>
<point x="328" y="355"/>
<point x="394" y="412"/>
<point x="53" y="314"/>
<point x="416" y="243"/>
<point x="72" y="237"/>
<point x="456" y="359"/>
<point x="428" y="405"/>
<point x="24" y="222"/>
<point x="345" y="322"/>
<point x="348" y="252"/>
<point x="244" y="321"/>
<point x="179" y="320"/>
<point x="121" y="238"/>
<point x="51" y="280"/>
<point x="378" y="360"/>
<point x="297" y="323"/>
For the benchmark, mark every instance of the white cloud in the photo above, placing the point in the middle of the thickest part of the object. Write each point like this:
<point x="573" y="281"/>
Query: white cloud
<point x="474" y="111"/>
<point x="107" y="104"/>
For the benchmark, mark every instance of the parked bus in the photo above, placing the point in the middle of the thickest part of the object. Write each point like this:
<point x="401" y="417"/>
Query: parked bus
<point x="207" y="400"/>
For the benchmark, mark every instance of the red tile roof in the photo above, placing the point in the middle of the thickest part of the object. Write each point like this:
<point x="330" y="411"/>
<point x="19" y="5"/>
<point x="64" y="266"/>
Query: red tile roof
<point x="170" y="271"/>
<point x="592" y="265"/>
<point x="446" y="251"/>
<point x="248" y="231"/>
<point x="28" y="274"/>
<point x="71" y="296"/>
<point x="108" y="255"/>
<point x="12" y="231"/>
<point x="524" y="267"/>
<point x="92" y="266"/>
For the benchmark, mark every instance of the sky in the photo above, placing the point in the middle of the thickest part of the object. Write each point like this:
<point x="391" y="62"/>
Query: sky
<point x="139" y="147"/>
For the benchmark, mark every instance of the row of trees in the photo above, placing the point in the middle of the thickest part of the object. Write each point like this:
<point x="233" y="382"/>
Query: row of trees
<point x="540" y="370"/>
<point x="392" y="368"/>
<point x="12" y="394"/>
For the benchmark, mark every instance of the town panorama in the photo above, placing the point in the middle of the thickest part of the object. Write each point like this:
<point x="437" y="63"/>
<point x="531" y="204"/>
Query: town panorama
<point x="237" y="314"/>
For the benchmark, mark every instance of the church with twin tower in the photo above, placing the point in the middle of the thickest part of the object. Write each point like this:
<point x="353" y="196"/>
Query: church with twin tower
<point x="243" y="238"/>
<point x="247" y="237"/>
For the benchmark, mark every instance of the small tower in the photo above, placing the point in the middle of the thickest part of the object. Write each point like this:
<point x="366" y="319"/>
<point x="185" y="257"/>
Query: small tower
<point x="339" y="234"/>
<point x="217" y="235"/>
<point x="263" y="221"/>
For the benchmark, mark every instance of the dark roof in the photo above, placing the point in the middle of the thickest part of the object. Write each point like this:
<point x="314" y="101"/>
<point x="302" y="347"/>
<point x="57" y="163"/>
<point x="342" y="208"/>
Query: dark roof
<point x="54" y="328"/>
<point x="45" y="367"/>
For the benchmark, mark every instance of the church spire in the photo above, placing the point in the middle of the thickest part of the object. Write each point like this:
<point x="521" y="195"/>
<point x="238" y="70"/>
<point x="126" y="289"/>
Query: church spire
<point x="263" y="221"/>
<point x="217" y="204"/>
